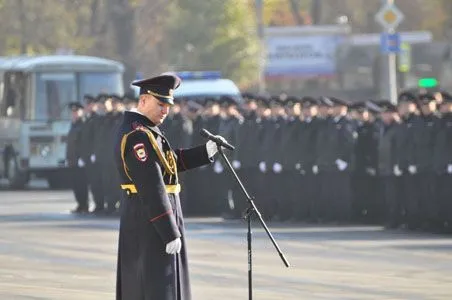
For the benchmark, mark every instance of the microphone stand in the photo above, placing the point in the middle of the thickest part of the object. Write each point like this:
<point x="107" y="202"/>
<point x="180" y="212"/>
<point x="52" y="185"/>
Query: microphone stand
<point x="252" y="209"/>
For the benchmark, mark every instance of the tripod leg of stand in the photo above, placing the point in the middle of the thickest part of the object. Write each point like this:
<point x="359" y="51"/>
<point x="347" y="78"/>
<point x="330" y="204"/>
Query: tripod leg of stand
<point x="250" y="211"/>
<point x="250" y="256"/>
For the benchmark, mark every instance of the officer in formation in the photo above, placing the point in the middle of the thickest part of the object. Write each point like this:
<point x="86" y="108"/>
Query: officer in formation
<point x="90" y="156"/>
<point x="302" y="158"/>
<point x="73" y="157"/>
<point x="325" y="159"/>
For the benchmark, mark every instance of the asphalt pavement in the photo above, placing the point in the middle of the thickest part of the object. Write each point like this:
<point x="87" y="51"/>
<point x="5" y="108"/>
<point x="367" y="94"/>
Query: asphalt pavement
<point x="47" y="253"/>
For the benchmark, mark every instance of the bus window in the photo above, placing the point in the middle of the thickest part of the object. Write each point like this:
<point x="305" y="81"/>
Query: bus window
<point x="14" y="89"/>
<point x="54" y="91"/>
<point x="2" y="88"/>
<point x="95" y="83"/>
<point x="2" y="98"/>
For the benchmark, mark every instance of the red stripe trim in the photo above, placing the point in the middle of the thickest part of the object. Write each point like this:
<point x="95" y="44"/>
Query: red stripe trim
<point x="162" y="215"/>
<point x="182" y="159"/>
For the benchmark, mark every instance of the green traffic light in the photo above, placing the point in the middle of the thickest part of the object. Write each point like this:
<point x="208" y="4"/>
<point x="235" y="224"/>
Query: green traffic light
<point x="428" y="82"/>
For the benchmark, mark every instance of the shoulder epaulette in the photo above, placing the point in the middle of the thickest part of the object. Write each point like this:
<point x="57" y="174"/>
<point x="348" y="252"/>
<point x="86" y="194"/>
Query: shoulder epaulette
<point x="167" y="162"/>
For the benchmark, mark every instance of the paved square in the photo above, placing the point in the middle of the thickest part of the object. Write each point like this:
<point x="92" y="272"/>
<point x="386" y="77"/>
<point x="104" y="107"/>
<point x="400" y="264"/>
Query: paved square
<point x="46" y="253"/>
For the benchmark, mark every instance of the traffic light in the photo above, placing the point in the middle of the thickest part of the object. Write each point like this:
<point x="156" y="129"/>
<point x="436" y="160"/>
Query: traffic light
<point x="427" y="83"/>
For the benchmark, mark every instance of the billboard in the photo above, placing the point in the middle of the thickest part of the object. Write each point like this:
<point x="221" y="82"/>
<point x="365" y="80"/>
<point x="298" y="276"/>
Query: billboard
<point x="301" y="53"/>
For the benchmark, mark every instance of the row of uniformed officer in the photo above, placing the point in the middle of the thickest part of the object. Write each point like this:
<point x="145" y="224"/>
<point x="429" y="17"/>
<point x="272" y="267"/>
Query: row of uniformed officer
<point x="89" y="151"/>
<point x="308" y="159"/>
<point x="269" y="156"/>
<point x="329" y="160"/>
<point x="424" y="162"/>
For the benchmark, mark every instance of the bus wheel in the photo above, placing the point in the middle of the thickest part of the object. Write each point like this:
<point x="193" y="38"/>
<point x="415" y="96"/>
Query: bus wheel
<point x="16" y="178"/>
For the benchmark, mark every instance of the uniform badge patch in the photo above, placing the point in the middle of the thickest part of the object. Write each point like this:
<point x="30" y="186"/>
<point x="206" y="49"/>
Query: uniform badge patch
<point x="140" y="152"/>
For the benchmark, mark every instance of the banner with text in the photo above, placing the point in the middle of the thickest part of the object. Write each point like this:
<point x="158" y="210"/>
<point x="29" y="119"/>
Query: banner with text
<point x="301" y="56"/>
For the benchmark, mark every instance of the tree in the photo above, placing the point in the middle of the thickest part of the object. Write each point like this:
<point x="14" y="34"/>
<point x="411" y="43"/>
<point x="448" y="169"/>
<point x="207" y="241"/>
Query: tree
<point x="156" y="35"/>
<point x="151" y="42"/>
<point x="219" y="35"/>
<point x="425" y="13"/>
<point x="40" y="27"/>
<point x="122" y="17"/>
<point x="235" y="39"/>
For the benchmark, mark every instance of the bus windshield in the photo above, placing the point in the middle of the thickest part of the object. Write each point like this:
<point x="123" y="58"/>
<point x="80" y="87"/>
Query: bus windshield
<point x="54" y="91"/>
<point x="95" y="83"/>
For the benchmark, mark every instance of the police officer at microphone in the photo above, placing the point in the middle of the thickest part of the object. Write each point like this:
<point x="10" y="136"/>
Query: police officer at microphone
<point x="152" y="256"/>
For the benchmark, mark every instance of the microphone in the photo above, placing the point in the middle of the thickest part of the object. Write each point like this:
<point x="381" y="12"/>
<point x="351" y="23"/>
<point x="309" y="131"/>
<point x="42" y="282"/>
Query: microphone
<point x="216" y="139"/>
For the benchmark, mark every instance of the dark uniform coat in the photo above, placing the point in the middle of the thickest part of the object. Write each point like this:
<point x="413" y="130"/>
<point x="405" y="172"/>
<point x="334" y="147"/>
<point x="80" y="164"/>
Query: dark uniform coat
<point x="246" y="139"/>
<point x="77" y="174"/>
<point x="443" y="145"/>
<point x="366" y="204"/>
<point x="388" y="140"/>
<point x="151" y="213"/>
<point x="387" y="149"/>
<point x="409" y="154"/>
<point x="73" y="148"/>
<point x="89" y="140"/>
<point x="306" y="156"/>
<point x="443" y="158"/>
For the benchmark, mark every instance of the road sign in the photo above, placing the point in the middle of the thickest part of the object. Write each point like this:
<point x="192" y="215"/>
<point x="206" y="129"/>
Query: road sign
<point x="389" y="16"/>
<point x="404" y="58"/>
<point x="390" y="42"/>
